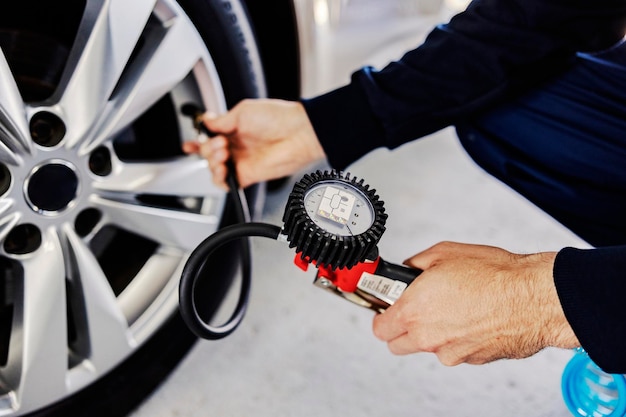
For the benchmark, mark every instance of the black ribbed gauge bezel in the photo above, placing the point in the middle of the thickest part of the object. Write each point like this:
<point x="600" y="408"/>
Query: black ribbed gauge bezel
<point x="320" y="246"/>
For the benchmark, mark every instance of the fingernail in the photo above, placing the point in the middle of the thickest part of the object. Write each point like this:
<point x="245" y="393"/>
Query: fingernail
<point x="209" y="115"/>
<point x="202" y="138"/>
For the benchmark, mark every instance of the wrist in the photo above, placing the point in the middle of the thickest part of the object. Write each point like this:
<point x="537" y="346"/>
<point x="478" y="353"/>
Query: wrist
<point x="557" y="330"/>
<point x="307" y="137"/>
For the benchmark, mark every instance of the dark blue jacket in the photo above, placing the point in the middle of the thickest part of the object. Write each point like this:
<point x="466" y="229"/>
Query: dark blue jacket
<point x="486" y="56"/>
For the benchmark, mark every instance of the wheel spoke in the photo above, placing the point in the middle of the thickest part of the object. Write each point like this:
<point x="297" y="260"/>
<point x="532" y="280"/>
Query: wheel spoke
<point x="8" y="221"/>
<point x="172" y="228"/>
<point x="188" y="176"/>
<point x="38" y="358"/>
<point x="107" y="37"/>
<point x="142" y="292"/>
<point x="179" y="52"/>
<point x="168" y="57"/>
<point x="107" y="329"/>
<point x="14" y="134"/>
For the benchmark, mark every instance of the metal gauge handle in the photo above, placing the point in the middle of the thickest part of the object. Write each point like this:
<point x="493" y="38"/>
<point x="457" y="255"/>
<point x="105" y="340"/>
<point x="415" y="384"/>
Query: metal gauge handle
<point x="374" y="284"/>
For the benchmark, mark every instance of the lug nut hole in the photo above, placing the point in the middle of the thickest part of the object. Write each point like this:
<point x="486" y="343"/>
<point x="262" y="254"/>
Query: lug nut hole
<point x="23" y="239"/>
<point x="86" y="221"/>
<point x="100" y="162"/>
<point x="47" y="129"/>
<point x="5" y="179"/>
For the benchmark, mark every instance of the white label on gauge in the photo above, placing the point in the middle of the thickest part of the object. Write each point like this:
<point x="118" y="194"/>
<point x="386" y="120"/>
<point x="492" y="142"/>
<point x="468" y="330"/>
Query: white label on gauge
<point x="386" y="289"/>
<point x="336" y="205"/>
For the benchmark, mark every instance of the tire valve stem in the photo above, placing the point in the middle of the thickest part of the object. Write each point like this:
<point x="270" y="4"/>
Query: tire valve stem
<point x="195" y="113"/>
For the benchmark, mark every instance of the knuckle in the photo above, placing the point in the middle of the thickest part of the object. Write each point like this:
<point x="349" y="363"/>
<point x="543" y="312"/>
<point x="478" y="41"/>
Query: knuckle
<point x="217" y="143"/>
<point x="448" y="359"/>
<point x="376" y="326"/>
<point x="205" y="152"/>
<point x="245" y="104"/>
<point x="403" y="315"/>
<point x="444" y="246"/>
<point x="395" y="350"/>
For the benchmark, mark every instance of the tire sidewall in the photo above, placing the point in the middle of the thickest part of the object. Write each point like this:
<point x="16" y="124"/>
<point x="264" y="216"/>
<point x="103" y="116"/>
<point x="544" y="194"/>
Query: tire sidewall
<point x="225" y="29"/>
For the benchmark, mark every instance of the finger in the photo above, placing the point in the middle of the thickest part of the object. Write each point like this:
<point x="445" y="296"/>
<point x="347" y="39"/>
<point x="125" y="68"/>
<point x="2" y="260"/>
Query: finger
<point x="225" y="123"/>
<point x="216" y="145"/>
<point x="219" y="176"/>
<point x="217" y="164"/>
<point x="216" y="153"/>
<point x="387" y="326"/>
<point x="191" y="147"/>
<point x="218" y="142"/>
<point x="442" y="250"/>
<point x="422" y="260"/>
<point x="402" y="345"/>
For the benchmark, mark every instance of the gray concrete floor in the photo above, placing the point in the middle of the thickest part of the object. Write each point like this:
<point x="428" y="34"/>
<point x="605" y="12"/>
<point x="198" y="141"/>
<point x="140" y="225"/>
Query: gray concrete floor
<point x="303" y="352"/>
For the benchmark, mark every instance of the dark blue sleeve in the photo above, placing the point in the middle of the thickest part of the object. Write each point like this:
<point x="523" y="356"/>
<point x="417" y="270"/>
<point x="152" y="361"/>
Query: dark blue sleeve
<point x="483" y="56"/>
<point x="592" y="289"/>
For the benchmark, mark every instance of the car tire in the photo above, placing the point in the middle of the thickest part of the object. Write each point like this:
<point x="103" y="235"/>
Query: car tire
<point x="95" y="223"/>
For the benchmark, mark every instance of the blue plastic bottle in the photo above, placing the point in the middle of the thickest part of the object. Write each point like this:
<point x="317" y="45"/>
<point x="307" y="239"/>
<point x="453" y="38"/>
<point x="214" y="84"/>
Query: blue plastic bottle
<point x="589" y="391"/>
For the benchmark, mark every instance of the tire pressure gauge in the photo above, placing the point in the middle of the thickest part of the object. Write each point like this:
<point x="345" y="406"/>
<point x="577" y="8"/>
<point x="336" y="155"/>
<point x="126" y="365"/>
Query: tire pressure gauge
<point x="335" y="221"/>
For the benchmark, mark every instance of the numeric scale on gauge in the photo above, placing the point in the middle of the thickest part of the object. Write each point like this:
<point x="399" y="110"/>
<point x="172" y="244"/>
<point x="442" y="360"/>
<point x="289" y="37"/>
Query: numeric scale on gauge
<point x="344" y="210"/>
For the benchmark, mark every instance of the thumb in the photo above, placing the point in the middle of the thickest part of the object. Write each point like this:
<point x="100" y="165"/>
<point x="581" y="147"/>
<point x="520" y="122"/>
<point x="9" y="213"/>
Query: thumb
<point x="424" y="259"/>
<point x="415" y="262"/>
<point x="225" y="123"/>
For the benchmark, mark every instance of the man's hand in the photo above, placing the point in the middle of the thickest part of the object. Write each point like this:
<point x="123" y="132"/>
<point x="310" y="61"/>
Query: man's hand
<point x="266" y="139"/>
<point x="476" y="304"/>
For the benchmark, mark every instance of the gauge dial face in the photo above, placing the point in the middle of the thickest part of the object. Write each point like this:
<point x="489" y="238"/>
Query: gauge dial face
<point x="339" y="208"/>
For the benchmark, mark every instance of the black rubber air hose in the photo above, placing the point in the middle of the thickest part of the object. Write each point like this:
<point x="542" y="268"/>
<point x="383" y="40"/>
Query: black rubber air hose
<point x="193" y="269"/>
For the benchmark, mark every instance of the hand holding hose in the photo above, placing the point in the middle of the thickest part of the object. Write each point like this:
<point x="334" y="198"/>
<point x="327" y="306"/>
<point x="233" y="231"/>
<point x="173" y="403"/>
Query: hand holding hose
<point x="266" y="139"/>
